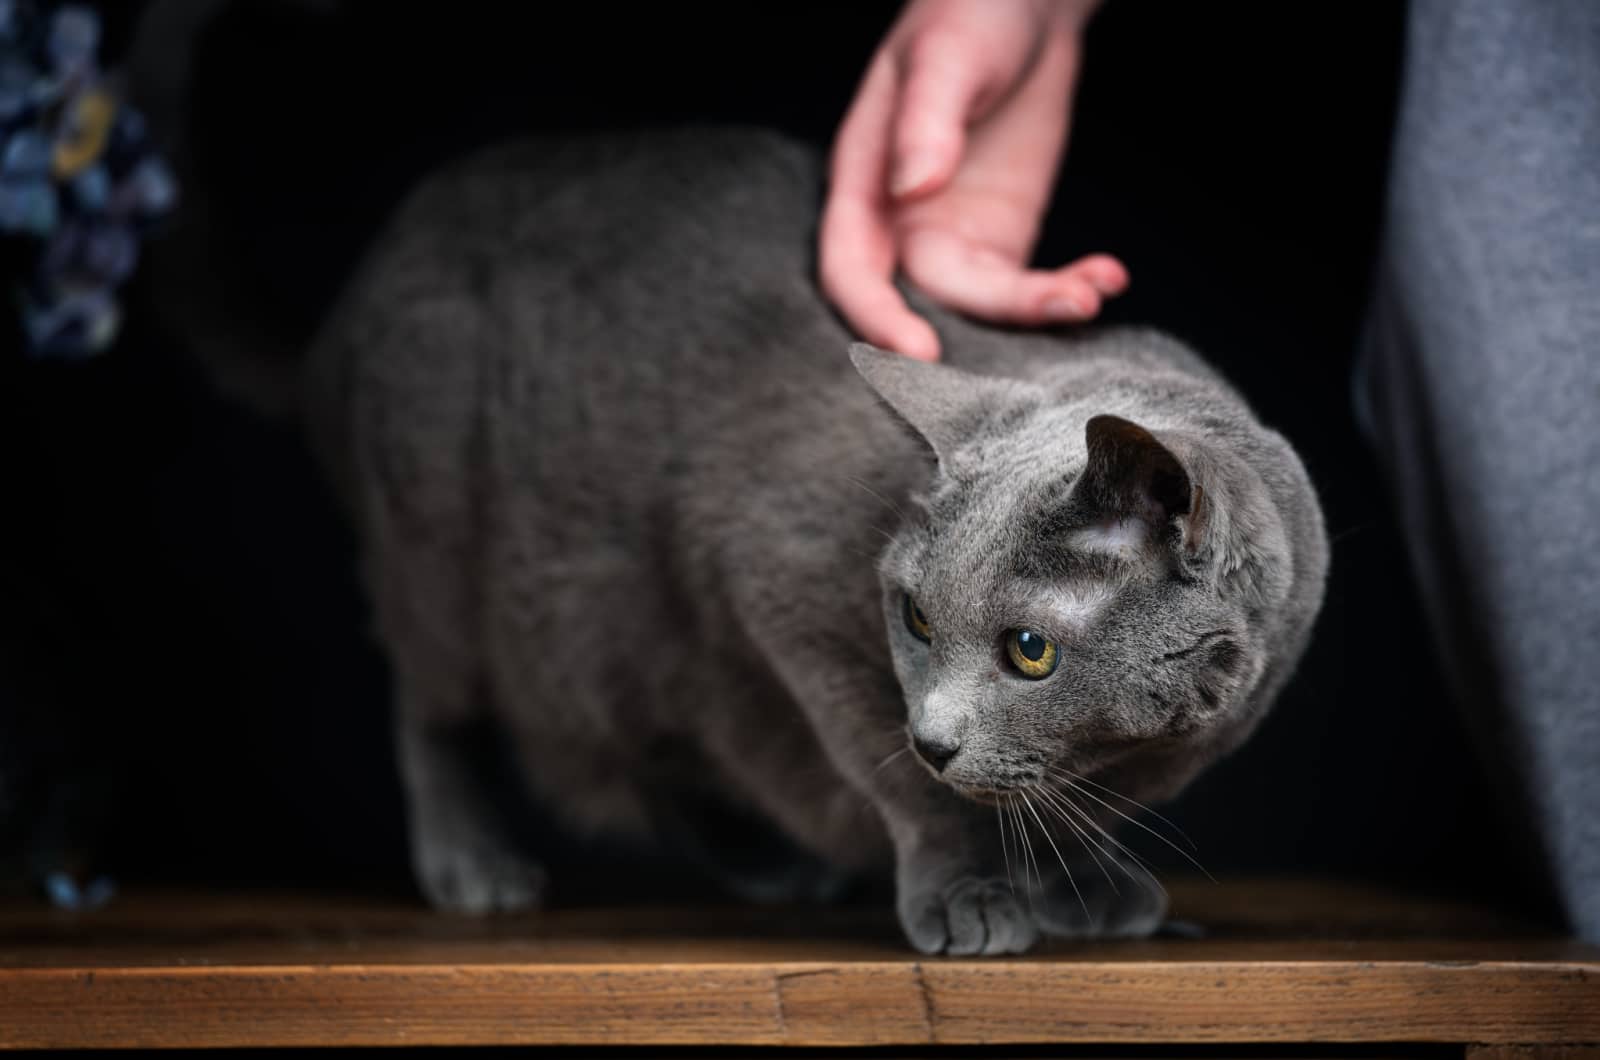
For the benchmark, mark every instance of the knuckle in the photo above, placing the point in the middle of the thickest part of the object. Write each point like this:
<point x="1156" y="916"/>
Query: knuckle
<point x="830" y="273"/>
<point x="936" y="49"/>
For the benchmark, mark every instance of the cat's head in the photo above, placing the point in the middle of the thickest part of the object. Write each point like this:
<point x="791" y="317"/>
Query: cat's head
<point x="1075" y="591"/>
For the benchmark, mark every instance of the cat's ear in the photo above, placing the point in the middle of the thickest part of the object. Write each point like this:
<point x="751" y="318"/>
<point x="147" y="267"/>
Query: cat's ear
<point x="1141" y="486"/>
<point x="1134" y="487"/>
<point x="941" y="403"/>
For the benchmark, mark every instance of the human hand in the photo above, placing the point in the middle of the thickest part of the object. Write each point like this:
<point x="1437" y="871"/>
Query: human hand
<point x="944" y="165"/>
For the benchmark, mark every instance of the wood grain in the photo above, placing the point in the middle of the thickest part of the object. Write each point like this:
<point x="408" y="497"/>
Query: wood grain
<point x="1533" y="1052"/>
<point x="1325" y="965"/>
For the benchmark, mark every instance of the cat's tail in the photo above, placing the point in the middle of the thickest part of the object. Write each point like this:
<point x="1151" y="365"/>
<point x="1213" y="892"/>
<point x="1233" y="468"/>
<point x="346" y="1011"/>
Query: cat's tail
<point x="198" y="279"/>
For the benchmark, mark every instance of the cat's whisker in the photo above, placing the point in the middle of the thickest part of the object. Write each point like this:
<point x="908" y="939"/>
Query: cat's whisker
<point x="1067" y="774"/>
<point x="1004" y="805"/>
<point x="1049" y="798"/>
<point x="890" y="758"/>
<point x="1043" y="828"/>
<point x="1140" y="824"/>
<point x="887" y="503"/>
<point x="1016" y="839"/>
<point x="1048" y="839"/>
<point x="1149" y="876"/>
<point x="1348" y="531"/>
<point x="1021" y="825"/>
<point x="1004" y="851"/>
<point x="1074" y="812"/>
<point x="1146" y="876"/>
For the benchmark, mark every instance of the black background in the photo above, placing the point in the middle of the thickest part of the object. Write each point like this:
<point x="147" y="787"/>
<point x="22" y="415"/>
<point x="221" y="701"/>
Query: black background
<point x="178" y="584"/>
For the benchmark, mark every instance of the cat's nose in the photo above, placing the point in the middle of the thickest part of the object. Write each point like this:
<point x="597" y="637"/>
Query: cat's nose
<point x="936" y="752"/>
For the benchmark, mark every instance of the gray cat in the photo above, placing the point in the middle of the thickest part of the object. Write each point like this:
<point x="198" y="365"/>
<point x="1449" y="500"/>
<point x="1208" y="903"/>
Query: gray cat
<point x="623" y="495"/>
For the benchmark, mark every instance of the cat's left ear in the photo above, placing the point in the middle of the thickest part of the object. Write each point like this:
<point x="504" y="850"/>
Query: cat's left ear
<point x="1141" y="487"/>
<point x="943" y="404"/>
<point x="1135" y="487"/>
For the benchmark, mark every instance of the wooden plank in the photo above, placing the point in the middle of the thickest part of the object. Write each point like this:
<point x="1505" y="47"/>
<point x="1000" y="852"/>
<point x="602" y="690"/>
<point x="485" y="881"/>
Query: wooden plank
<point x="164" y="971"/>
<point x="1268" y="1001"/>
<point x="1533" y="1052"/>
<point x="936" y="1002"/>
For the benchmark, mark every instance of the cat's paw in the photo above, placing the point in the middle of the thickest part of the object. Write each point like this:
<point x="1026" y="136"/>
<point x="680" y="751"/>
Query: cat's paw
<point x="1134" y="909"/>
<point x="968" y="916"/>
<point x="478" y="879"/>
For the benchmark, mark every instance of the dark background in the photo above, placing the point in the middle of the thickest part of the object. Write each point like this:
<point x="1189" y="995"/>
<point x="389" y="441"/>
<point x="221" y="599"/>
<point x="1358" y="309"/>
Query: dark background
<point x="179" y="598"/>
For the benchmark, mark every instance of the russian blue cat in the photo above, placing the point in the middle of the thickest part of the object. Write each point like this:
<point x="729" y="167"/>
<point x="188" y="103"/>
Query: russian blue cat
<point x="628" y="495"/>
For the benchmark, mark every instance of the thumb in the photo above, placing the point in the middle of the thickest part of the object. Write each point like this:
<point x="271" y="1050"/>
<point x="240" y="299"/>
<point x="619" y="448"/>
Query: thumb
<point x="944" y="80"/>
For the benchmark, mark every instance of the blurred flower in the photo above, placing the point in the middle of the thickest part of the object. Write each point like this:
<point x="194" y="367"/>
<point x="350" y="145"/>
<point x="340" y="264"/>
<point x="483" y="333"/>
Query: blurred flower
<point x="77" y="177"/>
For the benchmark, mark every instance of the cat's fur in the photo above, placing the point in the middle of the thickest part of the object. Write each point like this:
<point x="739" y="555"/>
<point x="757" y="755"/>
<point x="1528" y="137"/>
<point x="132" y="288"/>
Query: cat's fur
<point x="623" y="493"/>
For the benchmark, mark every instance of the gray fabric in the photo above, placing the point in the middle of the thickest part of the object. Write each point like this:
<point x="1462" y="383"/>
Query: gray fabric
<point x="1484" y="362"/>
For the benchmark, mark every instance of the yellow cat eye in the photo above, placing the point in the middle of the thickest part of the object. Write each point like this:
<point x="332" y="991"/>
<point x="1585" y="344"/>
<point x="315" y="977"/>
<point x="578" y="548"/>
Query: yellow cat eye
<point x="916" y="621"/>
<point x="1031" y="653"/>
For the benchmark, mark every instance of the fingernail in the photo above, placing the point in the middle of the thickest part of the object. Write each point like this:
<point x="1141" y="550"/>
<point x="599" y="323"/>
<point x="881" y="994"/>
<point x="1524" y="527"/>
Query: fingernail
<point x="1061" y="306"/>
<point x="919" y="346"/>
<point x="911" y="172"/>
<point x="1105" y="287"/>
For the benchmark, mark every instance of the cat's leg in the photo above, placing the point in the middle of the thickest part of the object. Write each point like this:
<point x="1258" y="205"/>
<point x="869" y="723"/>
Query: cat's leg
<point x="1084" y="881"/>
<point x="1108" y="895"/>
<point x="953" y="893"/>
<point x="951" y="898"/>
<point x="423" y="567"/>
<point x="970" y="877"/>
<point x="462" y="856"/>
<point x="964" y="883"/>
<point x="463" y="860"/>
<point x="954" y="890"/>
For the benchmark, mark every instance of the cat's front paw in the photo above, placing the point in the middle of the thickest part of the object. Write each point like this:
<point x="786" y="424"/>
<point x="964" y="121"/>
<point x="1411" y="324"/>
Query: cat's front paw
<point x="478" y="879"/>
<point x="1131" y="908"/>
<point x="971" y="915"/>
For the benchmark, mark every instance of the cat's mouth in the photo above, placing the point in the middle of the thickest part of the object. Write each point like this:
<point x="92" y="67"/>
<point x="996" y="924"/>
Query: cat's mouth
<point x="993" y="793"/>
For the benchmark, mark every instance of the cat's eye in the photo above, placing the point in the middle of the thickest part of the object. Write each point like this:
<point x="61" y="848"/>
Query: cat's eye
<point x="916" y="621"/>
<point x="1031" y="653"/>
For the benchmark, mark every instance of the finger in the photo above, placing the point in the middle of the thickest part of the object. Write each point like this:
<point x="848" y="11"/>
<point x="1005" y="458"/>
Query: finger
<point x="856" y="247"/>
<point x="1012" y="156"/>
<point x="983" y="283"/>
<point x="944" y="78"/>
<point x="1105" y="273"/>
<point x="856" y="270"/>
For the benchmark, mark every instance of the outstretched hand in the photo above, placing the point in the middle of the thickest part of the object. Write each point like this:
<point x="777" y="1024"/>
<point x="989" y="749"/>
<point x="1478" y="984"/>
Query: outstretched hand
<point x="944" y="166"/>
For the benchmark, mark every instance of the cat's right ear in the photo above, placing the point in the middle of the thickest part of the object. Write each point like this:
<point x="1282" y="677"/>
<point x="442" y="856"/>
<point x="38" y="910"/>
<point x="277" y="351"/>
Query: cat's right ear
<point x="942" y="404"/>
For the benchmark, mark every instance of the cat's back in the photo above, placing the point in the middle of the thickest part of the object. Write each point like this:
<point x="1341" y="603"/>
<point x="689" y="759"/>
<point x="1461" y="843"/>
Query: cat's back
<point x="599" y="292"/>
<point x="608" y="248"/>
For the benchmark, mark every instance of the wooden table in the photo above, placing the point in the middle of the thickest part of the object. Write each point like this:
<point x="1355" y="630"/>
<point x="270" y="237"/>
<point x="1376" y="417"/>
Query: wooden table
<point x="1292" y="963"/>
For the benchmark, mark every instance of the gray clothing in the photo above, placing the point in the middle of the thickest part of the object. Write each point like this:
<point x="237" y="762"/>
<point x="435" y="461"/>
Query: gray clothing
<point x="1484" y="365"/>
